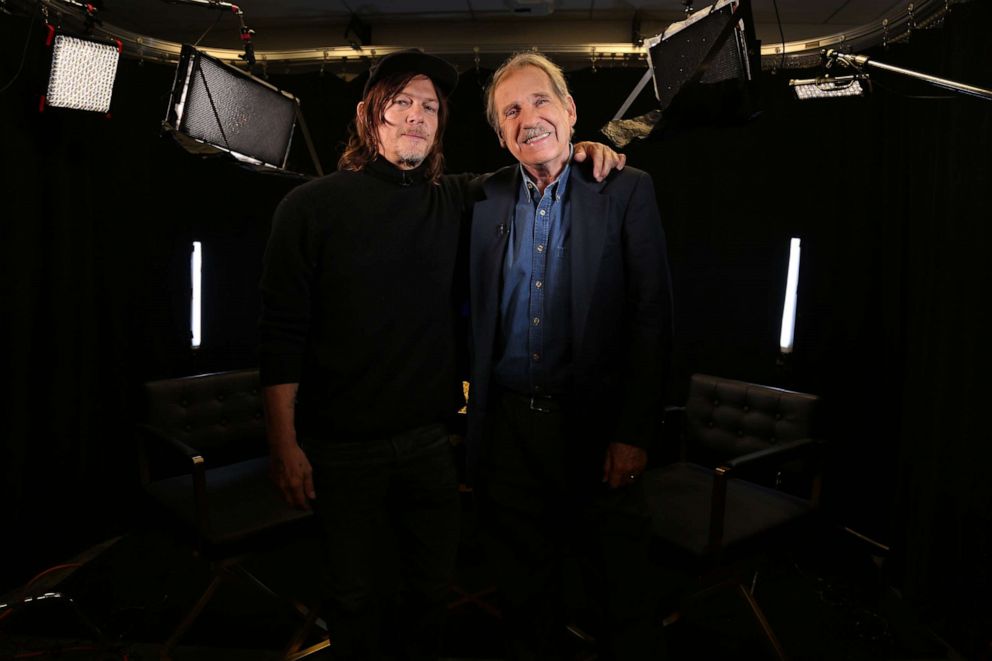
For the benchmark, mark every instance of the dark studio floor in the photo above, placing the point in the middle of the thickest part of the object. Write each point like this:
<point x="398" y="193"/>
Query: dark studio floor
<point x="824" y="601"/>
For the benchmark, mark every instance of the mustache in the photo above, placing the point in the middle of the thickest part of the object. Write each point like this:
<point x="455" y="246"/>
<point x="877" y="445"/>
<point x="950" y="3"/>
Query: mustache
<point x="533" y="132"/>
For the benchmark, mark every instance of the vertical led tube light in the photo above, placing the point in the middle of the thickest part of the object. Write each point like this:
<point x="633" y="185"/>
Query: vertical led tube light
<point x="195" y="269"/>
<point x="789" y="308"/>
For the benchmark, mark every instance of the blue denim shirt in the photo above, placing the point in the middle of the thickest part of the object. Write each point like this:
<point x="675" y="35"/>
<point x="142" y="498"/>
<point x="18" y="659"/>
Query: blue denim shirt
<point x="534" y="355"/>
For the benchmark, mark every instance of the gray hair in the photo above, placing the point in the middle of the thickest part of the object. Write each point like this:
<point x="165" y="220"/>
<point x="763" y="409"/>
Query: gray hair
<point x="514" y="63"/>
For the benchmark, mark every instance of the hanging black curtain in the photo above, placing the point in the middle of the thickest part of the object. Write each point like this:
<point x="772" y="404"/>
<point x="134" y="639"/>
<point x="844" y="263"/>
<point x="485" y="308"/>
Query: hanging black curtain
<point x="98" y="218"/>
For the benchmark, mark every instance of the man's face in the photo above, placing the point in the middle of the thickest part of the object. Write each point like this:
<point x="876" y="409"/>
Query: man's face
<point x="407" y="134"/>
<point x="535" y="125"/>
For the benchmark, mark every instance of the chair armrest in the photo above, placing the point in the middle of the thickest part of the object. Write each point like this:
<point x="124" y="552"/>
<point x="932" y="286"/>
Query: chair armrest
<point x="197" y="468"/>
<point x="672" y="446"/>
<point x="721" y="474"/>
<point x="774" y="454"/>
<point x="172" y="442"/>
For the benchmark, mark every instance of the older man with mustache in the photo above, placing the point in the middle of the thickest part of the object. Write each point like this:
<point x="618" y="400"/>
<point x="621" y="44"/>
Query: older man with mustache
<point x="571" y="334"/>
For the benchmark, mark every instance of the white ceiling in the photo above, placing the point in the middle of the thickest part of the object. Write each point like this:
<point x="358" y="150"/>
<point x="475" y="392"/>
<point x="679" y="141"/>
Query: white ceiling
<point x="152" y="28"/>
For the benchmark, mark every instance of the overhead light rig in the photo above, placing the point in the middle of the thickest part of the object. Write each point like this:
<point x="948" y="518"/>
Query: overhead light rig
<point x="895" y="27"/>
<point x="246" y="33"/>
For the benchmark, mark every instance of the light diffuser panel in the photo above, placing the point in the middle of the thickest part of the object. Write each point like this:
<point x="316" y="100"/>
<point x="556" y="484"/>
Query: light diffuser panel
<point x="82" y="74"/>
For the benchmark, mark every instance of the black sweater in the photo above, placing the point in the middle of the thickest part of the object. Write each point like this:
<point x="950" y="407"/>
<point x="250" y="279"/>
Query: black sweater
<point x="361" y="287"/>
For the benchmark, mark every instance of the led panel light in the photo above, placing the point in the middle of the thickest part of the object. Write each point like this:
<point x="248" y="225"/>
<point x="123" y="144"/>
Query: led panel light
<point x="82" y="74"/>
<point x="216" y="107"/>
<point x="828" y="88"/>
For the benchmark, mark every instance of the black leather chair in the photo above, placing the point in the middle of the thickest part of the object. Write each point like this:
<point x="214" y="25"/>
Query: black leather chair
<point x="203" y="460"/>
<point x="741" y="444"/>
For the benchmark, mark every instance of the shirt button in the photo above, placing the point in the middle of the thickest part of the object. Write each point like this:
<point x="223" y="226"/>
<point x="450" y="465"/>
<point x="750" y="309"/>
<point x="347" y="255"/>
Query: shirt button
<point x="538" y="284"/>
<point x="542" y="212"/>
<point x="536" y="356"/>
<point x="540" y="247"/>
<point x="537" y="321"/>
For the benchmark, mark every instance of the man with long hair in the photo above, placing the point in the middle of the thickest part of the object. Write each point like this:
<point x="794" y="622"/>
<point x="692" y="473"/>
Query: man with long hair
<point x="359" y="329"/>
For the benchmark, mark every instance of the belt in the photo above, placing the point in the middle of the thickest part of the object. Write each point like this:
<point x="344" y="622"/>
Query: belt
<point x="538" y="403"/>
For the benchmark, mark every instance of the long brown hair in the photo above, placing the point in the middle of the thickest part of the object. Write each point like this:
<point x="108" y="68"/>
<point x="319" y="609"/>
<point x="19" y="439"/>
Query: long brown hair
<point x="363" y="141"/>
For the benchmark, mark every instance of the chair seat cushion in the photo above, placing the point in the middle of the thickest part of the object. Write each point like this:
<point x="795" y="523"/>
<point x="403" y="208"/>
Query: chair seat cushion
<point x="679" y="496"/>
<point x="242" y="501"/>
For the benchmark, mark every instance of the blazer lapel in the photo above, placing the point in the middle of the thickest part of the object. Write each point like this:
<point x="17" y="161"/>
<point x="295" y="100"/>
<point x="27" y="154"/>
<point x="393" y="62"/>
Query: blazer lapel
<point x="589" y="217"/>
<point x="490" y="228"/>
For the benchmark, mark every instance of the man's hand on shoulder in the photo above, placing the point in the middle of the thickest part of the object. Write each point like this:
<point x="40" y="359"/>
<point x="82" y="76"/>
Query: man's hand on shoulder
<point x="604" y="160"/>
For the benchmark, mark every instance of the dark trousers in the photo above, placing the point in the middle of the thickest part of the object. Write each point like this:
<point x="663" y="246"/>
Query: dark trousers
<point x="389" y="509"/>
<point x="547" y="516"/>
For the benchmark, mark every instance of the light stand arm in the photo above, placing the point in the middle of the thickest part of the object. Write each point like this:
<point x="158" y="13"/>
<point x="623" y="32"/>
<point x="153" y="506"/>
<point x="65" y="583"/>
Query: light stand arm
<point x="246" y="32"/>
<point x="859" y="61"/>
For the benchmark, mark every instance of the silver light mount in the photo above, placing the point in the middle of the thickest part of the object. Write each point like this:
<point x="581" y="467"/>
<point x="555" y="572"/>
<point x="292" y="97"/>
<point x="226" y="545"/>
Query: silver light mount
<point x="859" y="62"/>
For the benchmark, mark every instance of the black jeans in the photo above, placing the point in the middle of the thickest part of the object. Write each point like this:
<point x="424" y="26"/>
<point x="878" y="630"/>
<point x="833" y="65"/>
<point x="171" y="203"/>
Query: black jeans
<point x="547" y="518"/>
<point x="389" y="509"/>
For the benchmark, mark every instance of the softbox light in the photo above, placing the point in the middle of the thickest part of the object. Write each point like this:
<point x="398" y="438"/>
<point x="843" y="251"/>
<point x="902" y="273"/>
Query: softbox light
<point x="710" y="47"/>
<point x="215" y="107"/>
<point x="82" y="74"/>
<point x="702" y="69"/>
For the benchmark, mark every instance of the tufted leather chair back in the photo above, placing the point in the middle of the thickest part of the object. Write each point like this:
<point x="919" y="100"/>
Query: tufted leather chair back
<point x="219" y="414"/>
<point x="725" y="418"/>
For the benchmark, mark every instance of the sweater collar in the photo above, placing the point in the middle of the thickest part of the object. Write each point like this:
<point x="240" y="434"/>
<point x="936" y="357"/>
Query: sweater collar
<point x="383" y="169"/>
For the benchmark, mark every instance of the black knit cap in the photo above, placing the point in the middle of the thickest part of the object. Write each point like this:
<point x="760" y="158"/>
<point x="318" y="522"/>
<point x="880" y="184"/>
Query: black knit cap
<point x="414" y="60"/>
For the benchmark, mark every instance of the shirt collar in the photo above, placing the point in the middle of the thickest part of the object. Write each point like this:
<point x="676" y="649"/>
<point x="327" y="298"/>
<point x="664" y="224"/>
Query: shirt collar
<point x="383" y="169"/>
<point x="557" y="187"/>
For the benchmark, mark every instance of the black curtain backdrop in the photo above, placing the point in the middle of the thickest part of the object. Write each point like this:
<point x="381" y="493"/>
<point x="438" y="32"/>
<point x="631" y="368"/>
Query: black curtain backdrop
<point x="890" y="195"/>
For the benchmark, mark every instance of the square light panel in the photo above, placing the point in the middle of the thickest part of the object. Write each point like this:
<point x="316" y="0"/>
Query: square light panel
<point x="82" y="74"/>
<point x="828" y="88"/>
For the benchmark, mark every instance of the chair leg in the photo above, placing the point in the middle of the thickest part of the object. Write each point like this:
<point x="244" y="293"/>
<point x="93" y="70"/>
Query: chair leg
<point x="313" y="649"/>
<point x="759" y="615"/>
<point x="233" y="569"/>
<point x="191" y="616"/>
<point x="293" y="651"/>
<point x="477" y="598"/>
<point x="292" y="604"/>
<point x="301" y="634"/>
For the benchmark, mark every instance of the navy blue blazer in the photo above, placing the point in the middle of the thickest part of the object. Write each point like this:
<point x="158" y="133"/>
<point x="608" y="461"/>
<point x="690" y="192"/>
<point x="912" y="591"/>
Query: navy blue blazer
<point x="621" y="301"/>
